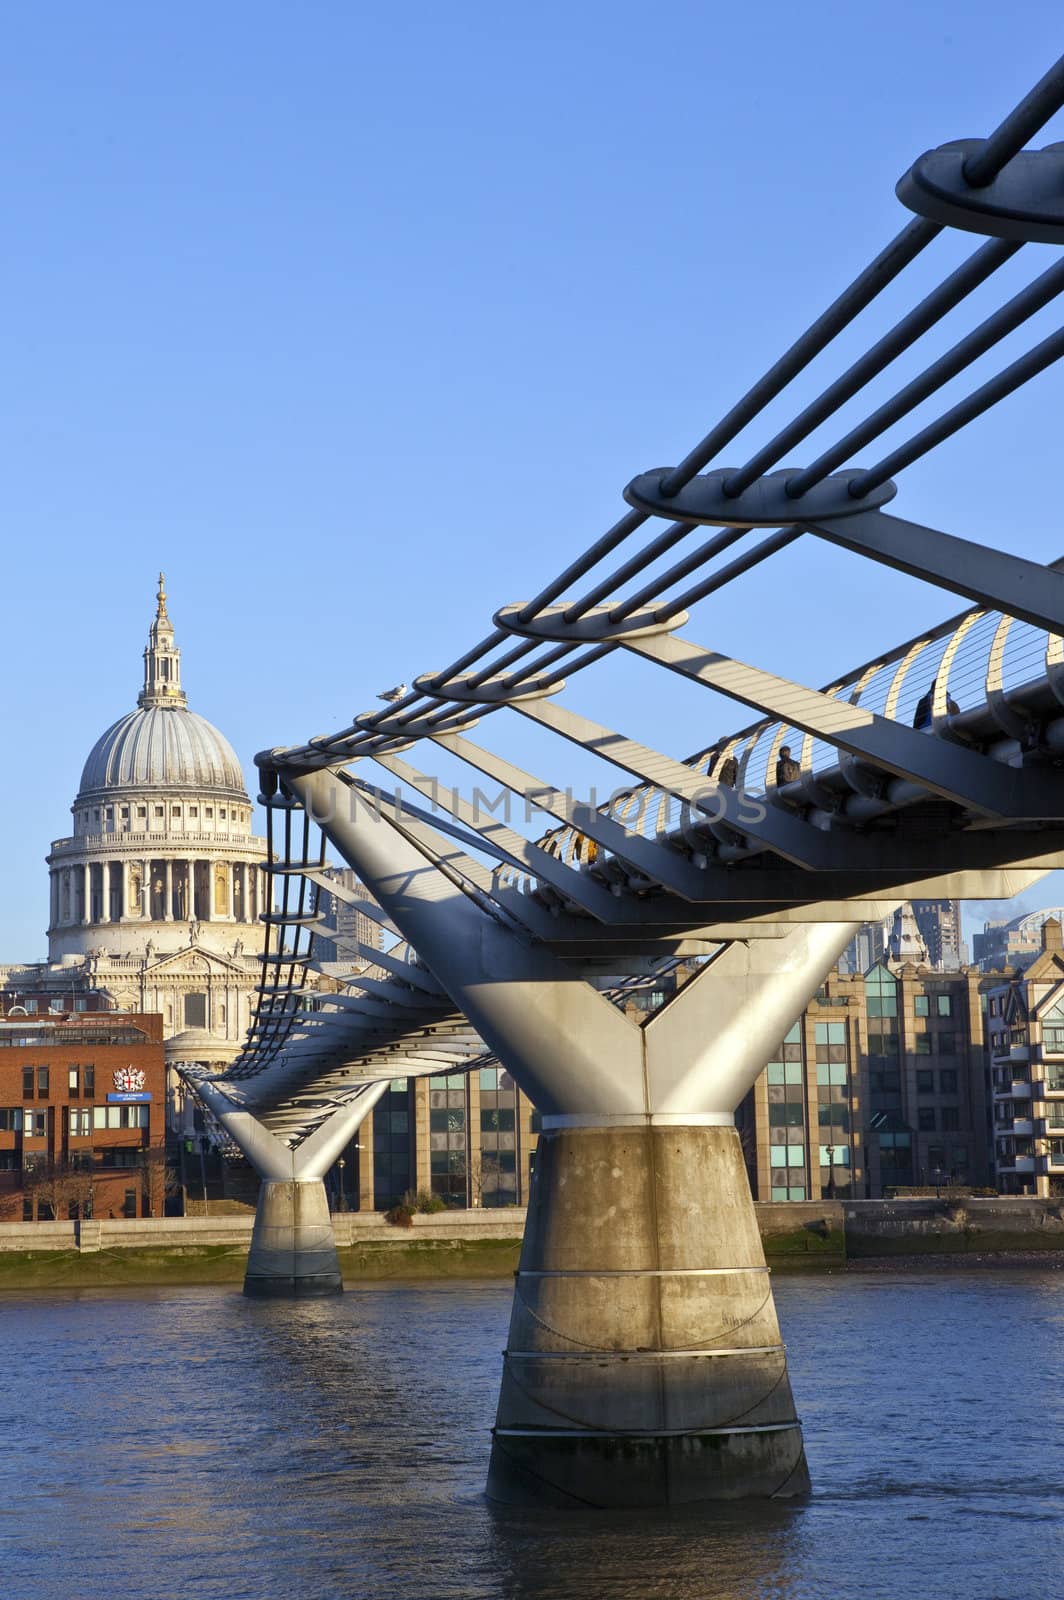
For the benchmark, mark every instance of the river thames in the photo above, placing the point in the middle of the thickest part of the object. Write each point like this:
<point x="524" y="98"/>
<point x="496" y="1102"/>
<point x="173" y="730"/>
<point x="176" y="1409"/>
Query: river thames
<point x="191" y="1444"/>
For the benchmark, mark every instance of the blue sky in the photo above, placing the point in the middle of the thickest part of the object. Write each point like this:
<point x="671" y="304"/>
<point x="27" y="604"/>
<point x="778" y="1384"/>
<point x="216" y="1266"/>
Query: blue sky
<point x="357" y="318"/>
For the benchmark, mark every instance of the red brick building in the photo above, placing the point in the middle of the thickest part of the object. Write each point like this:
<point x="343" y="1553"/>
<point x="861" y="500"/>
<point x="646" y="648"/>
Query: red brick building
<point x="82" y="1116"/>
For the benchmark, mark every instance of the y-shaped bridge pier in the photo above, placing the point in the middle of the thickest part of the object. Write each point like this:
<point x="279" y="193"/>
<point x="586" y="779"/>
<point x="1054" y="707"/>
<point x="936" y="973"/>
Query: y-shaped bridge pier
<point x="644" y="1362"/>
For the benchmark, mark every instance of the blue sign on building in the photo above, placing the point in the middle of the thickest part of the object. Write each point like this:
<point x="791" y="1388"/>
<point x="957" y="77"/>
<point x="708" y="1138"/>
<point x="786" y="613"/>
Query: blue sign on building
<point x="124" y="1099"/>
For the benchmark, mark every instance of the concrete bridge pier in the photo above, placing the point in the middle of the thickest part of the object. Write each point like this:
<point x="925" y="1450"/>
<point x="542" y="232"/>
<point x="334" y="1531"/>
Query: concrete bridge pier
<point x="644" y="1363"/>
<point x="293" y="1248"/>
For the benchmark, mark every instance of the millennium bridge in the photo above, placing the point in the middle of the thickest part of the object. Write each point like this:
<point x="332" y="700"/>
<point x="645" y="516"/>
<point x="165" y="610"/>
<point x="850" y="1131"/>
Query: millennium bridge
<point x="644" y="1362"/>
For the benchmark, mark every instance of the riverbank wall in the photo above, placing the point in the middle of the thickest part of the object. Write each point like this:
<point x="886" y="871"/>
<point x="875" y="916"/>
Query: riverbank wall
<point x="809" y="1236"/>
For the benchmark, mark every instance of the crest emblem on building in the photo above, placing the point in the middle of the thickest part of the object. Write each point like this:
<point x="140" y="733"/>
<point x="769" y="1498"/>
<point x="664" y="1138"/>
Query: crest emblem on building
<point x="128" y="1080"/>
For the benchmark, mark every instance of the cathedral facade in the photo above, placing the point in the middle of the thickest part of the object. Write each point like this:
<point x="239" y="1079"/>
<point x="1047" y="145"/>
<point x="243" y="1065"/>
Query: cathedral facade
<point x="156" y="896"/>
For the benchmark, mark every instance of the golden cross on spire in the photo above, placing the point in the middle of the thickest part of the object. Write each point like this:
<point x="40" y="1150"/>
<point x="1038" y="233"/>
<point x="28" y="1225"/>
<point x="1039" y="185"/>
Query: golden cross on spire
<point x="161" y="596"/>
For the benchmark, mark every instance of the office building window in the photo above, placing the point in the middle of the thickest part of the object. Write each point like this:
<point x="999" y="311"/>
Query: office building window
<point x="392" y="1171"/>
<point x="120" y="1116"/>
<point x="881" y="993"/>
<point x="945" y="1005"/>
<point x="498" y="1138"/>
<point x="947" y="1080"/>
<point x="922" y="1005"/>
<point x="926" y="1119"/>
<point x="925" y="1082"/>
<point x="448" y="1163"/>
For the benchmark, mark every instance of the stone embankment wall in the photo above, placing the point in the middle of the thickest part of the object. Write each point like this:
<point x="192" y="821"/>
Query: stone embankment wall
<point x="213" y="1249"/>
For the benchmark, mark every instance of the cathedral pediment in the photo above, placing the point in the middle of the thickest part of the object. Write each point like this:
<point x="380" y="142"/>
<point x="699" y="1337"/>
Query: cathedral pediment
<point x="195" y="961"/>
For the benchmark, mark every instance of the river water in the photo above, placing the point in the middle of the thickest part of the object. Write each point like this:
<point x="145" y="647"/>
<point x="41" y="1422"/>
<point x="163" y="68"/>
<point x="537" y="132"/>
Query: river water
<point x="189" y="1444"/>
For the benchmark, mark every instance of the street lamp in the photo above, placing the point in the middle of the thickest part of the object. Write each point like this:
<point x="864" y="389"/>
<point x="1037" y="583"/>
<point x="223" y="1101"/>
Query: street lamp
<point x="343" y="1198"/>
<point x="831" y="1171"/>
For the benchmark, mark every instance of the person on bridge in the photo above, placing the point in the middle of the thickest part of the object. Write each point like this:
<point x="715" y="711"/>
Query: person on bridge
<point x="922" y="714"/>
<point x="787" y="769"/>
<point x="729" y="772"/>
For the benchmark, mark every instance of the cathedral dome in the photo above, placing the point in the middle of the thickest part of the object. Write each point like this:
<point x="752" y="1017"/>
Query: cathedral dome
<point x="162" y="747"/>
<point x="162" y="744"/>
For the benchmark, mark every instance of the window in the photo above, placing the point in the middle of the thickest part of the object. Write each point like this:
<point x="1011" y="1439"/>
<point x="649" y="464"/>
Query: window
<point x="42" y="1083"/>
<point x="142" y="811"/>
<point x="923" y="1044"/>
<point x="840" y="1156"/>
<point x="830" y="1032"/>
<point x="129" y="1203"/>
<point x="951" y="1119"/>
<point x="11" y="1119"/>
<point x="159" y="812"/>
<point x="945" y="1005"/>
<point x="392" y="1172"/>
<point x="947" y="1043"/>
<point x="72" y="1080"/>
<point x="835" y="1117"/>
<point x="925" y="1082"/>
<point x="35" y="1124"/>
<point x="922" y="1005"/>
<point x="447" y="1136"/>
<point x="208" y="811"/>
<point x="80" y="1122"/>
<point x="195" y="1011"/>
<point x="881" y="993"/>
<point x="833" y="1072"/>
<point x="175" y="811"/>
<point x="135" y="1116"/>
<point x="88" y="1082"/>
<point x="927" y="1120"/>
<point x="27" y="1083"/>
<point x="193" y="811"/>
<point x="791" y="1192"/>
<point x="947" y="1080"/>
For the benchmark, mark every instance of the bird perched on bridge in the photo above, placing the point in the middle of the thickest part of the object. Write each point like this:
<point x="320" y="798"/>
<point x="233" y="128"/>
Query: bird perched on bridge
<point x="391" y="695"/>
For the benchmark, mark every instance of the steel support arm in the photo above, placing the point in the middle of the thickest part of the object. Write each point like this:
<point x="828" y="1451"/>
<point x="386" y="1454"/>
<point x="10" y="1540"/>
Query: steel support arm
<point x="998" y="581"/>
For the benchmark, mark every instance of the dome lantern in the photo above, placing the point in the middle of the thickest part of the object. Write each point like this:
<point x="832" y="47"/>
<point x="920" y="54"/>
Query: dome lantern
<point x="162" y="660"/>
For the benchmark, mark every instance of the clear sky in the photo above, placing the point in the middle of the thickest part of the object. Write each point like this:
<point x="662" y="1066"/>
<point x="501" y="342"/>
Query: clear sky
<point x="357" y="317"/>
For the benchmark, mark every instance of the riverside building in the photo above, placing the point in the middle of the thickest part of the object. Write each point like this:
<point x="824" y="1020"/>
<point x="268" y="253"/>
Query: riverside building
<point x="1025" y="1023"/>
<point x="82" y="1115"/>
<point x="879" y="1086"/>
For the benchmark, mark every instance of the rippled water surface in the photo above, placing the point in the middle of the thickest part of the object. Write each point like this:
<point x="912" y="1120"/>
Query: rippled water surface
<point x="190" y="1444"/>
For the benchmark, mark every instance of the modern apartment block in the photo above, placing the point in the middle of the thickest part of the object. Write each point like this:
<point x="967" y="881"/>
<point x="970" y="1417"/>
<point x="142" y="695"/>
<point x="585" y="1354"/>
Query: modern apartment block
<point x="880" y="1085"/>
<point x="1025" y="1023"/>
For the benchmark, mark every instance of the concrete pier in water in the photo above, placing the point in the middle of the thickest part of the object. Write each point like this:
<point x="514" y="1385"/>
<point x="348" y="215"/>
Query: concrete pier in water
<point x="293" y="1250"/>
<point x="644" y="1364"/>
